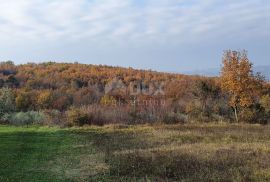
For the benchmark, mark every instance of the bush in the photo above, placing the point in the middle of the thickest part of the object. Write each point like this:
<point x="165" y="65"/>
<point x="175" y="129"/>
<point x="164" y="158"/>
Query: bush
<point x="265" y="102"/>
<point x="174" y="118"/>
<point x="77" y="117"/>
<point x="25" y="118"/>
<point x="100" y="115"/>
<point x="96" y="115"/>
<point x="7" y="101"/>
<point x="55" y="117"/>
<point x="254" y="114"/>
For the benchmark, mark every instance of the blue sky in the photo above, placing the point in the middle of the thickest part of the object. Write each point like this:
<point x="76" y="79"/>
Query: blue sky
<point x="164" y="35"/>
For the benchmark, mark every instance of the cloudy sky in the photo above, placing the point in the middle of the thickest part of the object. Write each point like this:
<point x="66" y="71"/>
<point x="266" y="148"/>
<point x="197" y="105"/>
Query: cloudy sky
<point x="164" y="35"/>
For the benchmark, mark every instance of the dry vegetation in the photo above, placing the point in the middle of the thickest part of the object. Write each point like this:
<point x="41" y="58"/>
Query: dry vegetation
<point x="137" y="153"/>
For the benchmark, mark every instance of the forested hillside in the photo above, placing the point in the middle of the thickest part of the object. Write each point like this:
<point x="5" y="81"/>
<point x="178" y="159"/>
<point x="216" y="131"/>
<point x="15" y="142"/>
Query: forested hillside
<point x="79" y="84"/>
<point x="88" y="94"/>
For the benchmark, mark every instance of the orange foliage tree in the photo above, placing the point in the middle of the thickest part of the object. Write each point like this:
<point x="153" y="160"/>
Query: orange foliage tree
<point x="238" y="80"/>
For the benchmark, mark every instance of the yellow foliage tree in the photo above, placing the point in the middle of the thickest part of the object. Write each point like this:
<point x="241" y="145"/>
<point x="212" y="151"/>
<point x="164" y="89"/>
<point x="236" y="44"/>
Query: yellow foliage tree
<point x="108" y="100"/>
<point x="44" y="99"/>
<point x="238" y="80"/>
<point x="25" y="100"/>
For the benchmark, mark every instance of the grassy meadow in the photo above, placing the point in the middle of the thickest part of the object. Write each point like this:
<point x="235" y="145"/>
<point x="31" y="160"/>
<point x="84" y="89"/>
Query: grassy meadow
<point x="135" y="153"/>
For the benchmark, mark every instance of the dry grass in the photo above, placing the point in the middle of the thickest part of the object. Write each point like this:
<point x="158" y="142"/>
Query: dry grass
<point x="213" y="152"/>
<point x="189" y="152"/>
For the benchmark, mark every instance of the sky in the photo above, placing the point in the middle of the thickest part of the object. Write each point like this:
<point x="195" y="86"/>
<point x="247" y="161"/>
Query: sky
<point x="163" y="35"/>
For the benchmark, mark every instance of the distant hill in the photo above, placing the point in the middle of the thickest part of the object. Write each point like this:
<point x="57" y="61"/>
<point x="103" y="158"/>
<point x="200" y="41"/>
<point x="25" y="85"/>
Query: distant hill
<point x="212" y="72"/>
<point x="265" y="70"/>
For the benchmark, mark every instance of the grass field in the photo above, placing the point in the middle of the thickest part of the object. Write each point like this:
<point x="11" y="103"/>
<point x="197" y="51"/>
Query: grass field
<point x="135" y="153"/>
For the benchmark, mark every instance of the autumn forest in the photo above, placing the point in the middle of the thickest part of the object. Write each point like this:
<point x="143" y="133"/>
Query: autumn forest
<point x="70" y="94"/>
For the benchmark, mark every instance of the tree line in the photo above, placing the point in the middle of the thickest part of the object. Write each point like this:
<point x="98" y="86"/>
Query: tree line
<point x="77" y="94"/>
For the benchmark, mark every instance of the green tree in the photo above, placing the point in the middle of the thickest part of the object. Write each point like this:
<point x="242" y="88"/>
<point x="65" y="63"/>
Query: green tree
<point x="7" y="101"/>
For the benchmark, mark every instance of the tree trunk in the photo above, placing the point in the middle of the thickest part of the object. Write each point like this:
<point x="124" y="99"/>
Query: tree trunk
<point x="235" y="114"/>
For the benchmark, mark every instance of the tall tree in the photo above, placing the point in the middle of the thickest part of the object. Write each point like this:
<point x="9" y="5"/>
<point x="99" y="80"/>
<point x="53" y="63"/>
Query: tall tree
<point x="238" y="80"/>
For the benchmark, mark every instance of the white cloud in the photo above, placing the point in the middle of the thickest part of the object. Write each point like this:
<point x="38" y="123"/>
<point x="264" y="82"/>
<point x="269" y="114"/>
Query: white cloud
<point x="77" y="18"/>
<point x="99" y="19"/>
<point x="137" y="23"/>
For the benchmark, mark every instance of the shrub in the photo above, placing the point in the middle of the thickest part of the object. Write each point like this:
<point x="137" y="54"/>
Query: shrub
<point x="108" y="100"/>
<point x="77" y="117"/>
<point x="25" y="118"/>
<point x="7" y="101"/>
<point x="174" y="118"/>
<point x="265" y="102"/>
<point x="253" y="114"/>
<point x="100" y="115"/>
<point x="54" y="117"/>
<point x="219" y="118"/>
